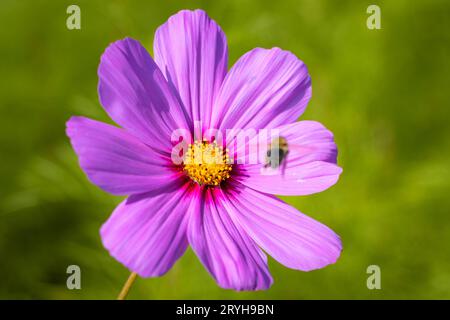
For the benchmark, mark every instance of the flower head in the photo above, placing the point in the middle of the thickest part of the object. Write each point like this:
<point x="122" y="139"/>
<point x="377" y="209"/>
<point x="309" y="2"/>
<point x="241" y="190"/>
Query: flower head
<point x="212" y="200"/>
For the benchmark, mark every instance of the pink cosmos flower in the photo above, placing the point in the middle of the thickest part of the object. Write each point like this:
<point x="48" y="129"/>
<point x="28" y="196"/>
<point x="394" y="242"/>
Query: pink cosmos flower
<point x="229" y="214"/>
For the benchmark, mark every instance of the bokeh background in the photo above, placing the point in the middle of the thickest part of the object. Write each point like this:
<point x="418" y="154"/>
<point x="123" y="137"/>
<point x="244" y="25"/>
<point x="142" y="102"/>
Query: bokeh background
<point x="384" y="93"/>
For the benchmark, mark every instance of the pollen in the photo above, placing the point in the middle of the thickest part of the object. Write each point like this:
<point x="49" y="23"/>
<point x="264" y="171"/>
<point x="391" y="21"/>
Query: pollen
<point x="207" y="163"/>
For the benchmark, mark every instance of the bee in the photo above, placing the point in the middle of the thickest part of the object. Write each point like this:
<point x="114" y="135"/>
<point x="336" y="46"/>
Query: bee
<point x="276" y="153"/>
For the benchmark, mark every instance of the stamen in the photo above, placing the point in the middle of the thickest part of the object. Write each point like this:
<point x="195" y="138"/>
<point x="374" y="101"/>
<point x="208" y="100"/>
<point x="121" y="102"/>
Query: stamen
<point x="206" y="163"/>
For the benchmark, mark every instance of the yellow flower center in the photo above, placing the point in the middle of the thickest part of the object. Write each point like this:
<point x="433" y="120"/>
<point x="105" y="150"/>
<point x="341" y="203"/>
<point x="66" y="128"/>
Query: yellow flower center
<point x="206" y="163"/>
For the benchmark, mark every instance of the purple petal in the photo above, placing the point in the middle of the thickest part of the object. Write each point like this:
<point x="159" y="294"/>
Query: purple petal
<point x="115" y="160"/>
<point x="309" y="167"/>
<point x="136" y="95"/>
<point x="264" y="89"/>
<point x="191" y="50"/>
<point x="292" y="238"/>
<point x="148" y="234"/>
<point x="229" y="255"/>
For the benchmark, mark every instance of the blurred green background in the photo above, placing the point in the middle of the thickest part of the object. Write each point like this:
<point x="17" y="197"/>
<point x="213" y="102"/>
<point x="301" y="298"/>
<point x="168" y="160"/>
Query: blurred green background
<point x="384" y="93"/>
